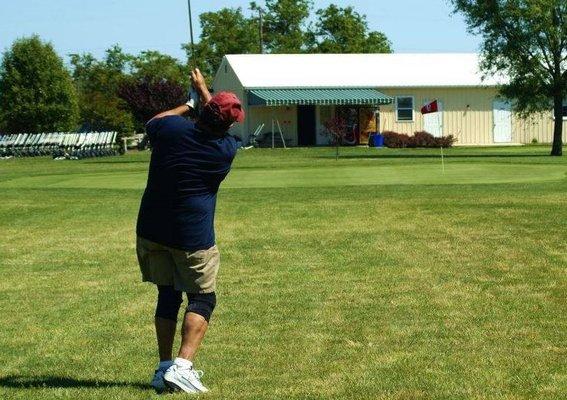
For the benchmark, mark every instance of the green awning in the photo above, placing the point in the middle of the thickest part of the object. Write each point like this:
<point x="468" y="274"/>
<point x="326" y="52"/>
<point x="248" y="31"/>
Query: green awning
<point x="317" y="96"/>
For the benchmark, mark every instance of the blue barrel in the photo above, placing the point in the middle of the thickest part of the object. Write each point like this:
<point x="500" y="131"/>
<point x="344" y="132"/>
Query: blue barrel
<point x="377" y="140"/>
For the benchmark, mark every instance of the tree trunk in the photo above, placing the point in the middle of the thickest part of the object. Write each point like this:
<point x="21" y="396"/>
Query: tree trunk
<point x="337" y="152"/>
<point x="557" y="148"/>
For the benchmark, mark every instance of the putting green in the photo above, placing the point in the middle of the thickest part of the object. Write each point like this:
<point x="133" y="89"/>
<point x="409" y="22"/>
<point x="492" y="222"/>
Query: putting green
<point x="414" y="174"/>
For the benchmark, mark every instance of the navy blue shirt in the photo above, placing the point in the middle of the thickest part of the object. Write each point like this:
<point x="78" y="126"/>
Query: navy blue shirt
<point x="186" y="168"/>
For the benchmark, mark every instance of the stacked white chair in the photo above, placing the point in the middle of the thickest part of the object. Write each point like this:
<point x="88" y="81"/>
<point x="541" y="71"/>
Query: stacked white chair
<point x="6" y="144"/>
<point x="60" y="145"/>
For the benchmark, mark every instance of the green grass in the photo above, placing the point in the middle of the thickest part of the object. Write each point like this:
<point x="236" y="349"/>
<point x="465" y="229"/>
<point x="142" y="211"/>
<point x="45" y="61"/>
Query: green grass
<point x="372" y="277"/>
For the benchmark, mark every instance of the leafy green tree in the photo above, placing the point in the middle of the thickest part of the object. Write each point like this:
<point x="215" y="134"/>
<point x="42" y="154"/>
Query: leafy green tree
<point x="527" y="41"/>
<point x="226" y="31"/>
<point x="97" y="83"/>
<point x="36" y="91"/>
<point x="343" y="30"/>
<point x="116" y="60"/>
<point x="286" y="25"/>
<point x="153" y="65"/>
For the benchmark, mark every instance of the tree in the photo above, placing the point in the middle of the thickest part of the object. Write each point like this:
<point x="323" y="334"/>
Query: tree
<point x="156" y="82"/>
<point x="226" y="31"/>
<point x="285" y="26"/>
<point x="343" y="30"/>
<point x="336" y="130"/>
<point x="97" y="84"/>
<point x="154" y="65"/>
<point x="148" y="97"/>
<point x="36" y="91"/>
<point x="116" y="60"/>
<point x="527" y="41"/>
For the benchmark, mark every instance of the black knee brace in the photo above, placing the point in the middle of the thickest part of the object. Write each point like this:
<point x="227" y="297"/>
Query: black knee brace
<point x="202" y="304"/>
<point x="169" y="301"/>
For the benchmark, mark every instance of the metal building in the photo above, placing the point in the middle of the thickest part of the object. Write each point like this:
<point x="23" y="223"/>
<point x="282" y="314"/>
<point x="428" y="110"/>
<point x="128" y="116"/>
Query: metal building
<point x="299" y="92"/>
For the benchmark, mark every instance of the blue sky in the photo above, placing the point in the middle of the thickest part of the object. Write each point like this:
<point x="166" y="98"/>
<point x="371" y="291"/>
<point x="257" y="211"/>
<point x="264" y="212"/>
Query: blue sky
<point x="76" y="26"/>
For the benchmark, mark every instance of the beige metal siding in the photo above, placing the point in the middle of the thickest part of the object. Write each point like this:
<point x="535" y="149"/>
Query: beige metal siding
<point x="538" y="127"/>
<point x="226" y="80"/>
<point x="467" y="115"/>
<point x="287" y="117"/>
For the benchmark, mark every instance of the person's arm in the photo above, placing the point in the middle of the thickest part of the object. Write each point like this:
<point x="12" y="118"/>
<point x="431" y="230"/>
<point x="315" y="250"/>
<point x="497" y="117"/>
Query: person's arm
<point x="179" y="110"/>
<point x="198" y="82"/>
<point x="200" y="85"/>
<point x="154" y="125"/>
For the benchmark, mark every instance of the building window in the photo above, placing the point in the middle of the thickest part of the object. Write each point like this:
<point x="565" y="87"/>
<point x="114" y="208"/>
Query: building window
<point x="404" y="109"/>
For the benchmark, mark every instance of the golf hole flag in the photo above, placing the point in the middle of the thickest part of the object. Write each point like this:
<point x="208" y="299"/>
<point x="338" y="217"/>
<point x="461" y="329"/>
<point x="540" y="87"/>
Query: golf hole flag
<point x="430" y="107"/>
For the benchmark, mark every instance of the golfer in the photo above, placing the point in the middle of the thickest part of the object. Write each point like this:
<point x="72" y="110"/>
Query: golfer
<point x="175" y="233"/>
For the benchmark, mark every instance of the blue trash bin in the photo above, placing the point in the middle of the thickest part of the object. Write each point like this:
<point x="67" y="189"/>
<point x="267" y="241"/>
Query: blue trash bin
<point x="371" y="140"/>
<point x="376" y="140"/>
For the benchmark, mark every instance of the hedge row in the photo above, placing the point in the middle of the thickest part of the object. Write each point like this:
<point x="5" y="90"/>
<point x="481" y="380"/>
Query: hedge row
<point x="419" y="139"/>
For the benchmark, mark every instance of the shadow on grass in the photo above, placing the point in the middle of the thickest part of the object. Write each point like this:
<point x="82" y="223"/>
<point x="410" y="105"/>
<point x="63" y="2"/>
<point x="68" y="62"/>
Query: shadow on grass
<point x="409" y="156"/>
<point x="60" y="382"/>
<point x="117" y="162"/>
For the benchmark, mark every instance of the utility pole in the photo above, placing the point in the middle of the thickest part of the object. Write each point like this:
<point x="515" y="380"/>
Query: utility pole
<point x="261" y="12"/>
<point x="256" y="7"/>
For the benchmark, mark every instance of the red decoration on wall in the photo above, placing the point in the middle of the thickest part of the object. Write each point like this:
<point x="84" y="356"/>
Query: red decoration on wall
<point x="430" y="107"/>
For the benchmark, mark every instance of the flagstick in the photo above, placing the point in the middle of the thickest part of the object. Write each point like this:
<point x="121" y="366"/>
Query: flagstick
<point x="440" y="123"/>
<point x="433" y="107"/>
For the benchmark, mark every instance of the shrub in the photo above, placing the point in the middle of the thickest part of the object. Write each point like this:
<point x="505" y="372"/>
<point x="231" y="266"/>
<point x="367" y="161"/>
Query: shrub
<point x="395" y="140"/>
<point x="419" y="139"/>
<point x="423" y="139"/>
<point x="446" y="141"/>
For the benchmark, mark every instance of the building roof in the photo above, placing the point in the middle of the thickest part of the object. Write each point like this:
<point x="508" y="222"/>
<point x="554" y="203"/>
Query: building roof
<point x="358" y="70"/>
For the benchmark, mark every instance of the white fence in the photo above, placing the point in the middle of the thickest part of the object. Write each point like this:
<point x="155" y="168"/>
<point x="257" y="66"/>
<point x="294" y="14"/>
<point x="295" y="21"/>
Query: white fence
<point x="60" y="145"/>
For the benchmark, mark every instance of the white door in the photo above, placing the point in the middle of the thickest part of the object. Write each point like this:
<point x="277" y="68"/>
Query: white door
<point x="502" y="114"/>
<point x="433" y="122"/>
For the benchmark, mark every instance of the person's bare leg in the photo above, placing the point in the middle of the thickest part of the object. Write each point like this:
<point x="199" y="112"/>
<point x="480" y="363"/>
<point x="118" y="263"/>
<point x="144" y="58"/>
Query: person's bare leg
<point x="165" y="333"/>
<point x="194" y="329"/>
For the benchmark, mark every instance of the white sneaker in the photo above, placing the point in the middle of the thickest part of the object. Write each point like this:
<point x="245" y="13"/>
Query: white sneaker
<point x="182" y="376"/>
<point x="157" y="382"/>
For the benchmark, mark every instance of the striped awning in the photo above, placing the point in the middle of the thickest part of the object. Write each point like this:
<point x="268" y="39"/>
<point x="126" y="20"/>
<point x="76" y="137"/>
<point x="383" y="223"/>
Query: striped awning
<point x="317" y="96"/>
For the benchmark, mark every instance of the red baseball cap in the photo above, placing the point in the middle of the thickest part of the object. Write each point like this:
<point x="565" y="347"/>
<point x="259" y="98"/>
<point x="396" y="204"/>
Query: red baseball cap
<point x="227" y="106"/>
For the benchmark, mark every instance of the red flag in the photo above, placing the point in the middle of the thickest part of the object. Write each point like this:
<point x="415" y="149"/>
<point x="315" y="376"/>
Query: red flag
<point x="430" y="107"/>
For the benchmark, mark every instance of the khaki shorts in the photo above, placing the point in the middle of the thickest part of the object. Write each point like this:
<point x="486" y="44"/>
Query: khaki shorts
<point x="187" y="272"/>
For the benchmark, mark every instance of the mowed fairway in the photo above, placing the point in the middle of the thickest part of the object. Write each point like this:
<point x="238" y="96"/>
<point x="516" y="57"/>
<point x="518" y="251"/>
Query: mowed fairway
<point x="372" y="277"/>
